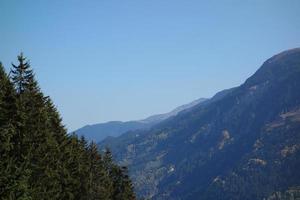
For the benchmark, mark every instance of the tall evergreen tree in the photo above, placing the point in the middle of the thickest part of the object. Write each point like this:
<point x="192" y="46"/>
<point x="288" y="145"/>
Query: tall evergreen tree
<point x="122" y="187"/>
<point x="21" y="74"/>
<point x="15" y="176"/>
<point x="39" y="160"/>
<point x="6" y="134"/>
<point x="99" y="183"/>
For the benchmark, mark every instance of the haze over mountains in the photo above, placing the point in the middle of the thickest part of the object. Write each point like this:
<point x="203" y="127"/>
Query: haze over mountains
<point x="244" y="143"/>
<point x="98" y="132"/>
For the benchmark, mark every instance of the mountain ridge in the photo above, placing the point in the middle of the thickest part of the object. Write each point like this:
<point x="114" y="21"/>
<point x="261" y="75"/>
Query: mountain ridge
<point x="222" y="148"/>
<point x="98" y="132"/>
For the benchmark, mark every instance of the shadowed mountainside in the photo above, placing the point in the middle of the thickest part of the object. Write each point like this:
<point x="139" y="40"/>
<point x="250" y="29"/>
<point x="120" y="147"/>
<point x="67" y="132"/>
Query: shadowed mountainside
<point x="242" y="144"/>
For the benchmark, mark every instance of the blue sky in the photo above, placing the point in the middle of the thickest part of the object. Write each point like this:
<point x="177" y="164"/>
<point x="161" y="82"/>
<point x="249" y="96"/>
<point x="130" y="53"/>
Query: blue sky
<point x="107" y="60"/>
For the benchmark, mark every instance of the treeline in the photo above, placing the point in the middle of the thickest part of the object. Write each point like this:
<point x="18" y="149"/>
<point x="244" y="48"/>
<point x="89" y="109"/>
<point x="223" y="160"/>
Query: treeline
<point x="38" y="159"/>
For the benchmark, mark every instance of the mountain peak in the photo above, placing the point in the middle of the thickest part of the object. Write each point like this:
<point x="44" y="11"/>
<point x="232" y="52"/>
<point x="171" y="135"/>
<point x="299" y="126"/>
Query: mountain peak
<point x="281" y="65"/>
<point x="283" y="55"/>
<point x="225" y="147"/>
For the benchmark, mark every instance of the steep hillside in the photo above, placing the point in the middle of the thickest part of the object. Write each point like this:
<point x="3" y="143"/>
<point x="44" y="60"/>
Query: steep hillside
<point x="244" y="144"/>
<point x="98" y="132"/>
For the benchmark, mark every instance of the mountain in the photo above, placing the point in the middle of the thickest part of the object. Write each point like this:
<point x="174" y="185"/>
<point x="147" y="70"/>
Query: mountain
<point x="98" y="132"/>
<point x="160" y="117"/>
<point x="244" y="143"/>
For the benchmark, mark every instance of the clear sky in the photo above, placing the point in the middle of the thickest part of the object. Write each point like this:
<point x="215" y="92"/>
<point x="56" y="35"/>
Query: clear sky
<point x="107" y="60"/>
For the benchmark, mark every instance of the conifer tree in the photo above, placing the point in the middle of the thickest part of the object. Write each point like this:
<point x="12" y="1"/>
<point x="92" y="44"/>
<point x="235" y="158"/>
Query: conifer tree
<point x="6" y="134"/>
<point x="39" y="160"/>
<point x="15" y="176"/>
<point x="99" y="182"/>
<point x="122" y="187"/>
<point x="21" y="74"/>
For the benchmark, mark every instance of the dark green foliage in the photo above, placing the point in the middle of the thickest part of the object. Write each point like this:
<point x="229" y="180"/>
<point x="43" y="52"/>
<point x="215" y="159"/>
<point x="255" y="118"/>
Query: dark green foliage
<point x="38" y="159"/>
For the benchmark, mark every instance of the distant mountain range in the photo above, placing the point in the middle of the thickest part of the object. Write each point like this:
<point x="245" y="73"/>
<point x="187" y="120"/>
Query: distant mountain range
<point x="244" y="143"/>
<point x="98" y="132"/>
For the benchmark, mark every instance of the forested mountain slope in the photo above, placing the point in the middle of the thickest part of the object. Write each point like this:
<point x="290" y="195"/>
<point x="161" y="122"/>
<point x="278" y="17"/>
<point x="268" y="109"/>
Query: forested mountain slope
<point x="244" y="144"/>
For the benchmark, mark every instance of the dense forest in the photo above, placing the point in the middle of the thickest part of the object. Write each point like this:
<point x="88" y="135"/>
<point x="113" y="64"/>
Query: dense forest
<point x="39" y="160"/>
